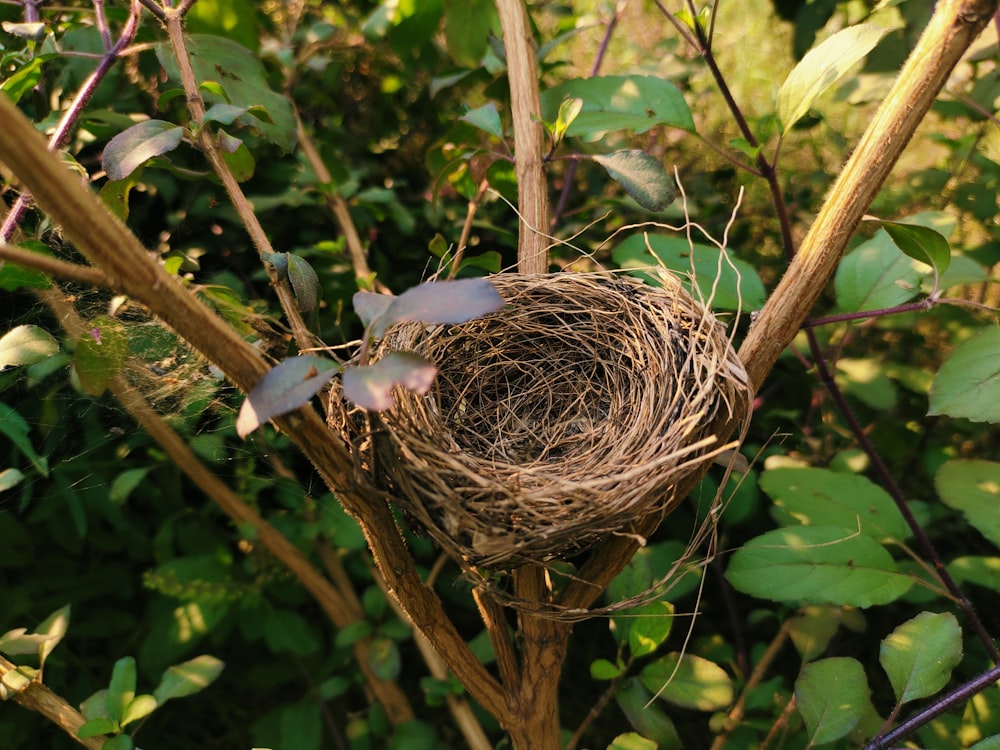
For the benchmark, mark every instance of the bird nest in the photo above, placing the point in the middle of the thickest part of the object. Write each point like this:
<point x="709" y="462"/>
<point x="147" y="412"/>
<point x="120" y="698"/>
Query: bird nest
<point x="568" y="416"/>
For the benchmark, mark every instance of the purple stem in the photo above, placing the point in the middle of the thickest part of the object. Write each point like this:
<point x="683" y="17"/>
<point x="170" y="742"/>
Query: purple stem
<point x="925" y="304"/>
<point x="949" y="701"/>
<point x="598" y="60"/>
<point x="69" y="119"/>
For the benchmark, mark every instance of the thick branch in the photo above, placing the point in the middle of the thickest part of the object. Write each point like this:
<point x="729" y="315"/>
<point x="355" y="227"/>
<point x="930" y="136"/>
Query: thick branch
<point x="953" y="27"/>
<point x="526" y="107"/>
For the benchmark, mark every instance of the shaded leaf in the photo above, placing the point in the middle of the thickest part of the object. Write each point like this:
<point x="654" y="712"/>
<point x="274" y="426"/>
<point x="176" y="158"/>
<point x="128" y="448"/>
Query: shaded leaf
<point x="968" y="383"/>
<point x="125" y="482"/>
<point x="821" y="67"/>
<point x="370" y="306"/>
<point x="302" y="726"/>
<point x="188" y="678"/>
<point x="384" y="658"/>
<point x="602" y="669"/>
<point x="689" y="681"/>
<point x="132" y="148"/>
<point x="632" y="741"/>
<point x="635" y="103"/>
<point x="16" y="429"/>
<point x="485" y="118"/>
<point x="920" y="243"/>
<point x="223" y="113"/>
<point x="876" y="275"/>
<point x="438" y="302"/>
<point x="118" y="742"/>
<point x="832" y="697"/>
<point x="467" y="27"/>
<point x="304" y="281"/>
<point x="26" y="345"/>
<point x="100" y="354"/>
<point x="812" y="630"/>
<point x="285" y="387"/>
<point x="919" y="655"/>
<point x="728" y="282"/>
<point x="370" y="387"/>
<point x="96" y="727"/>
<point x="976" y="569"/>
<point x="817" y="565"/>
<point x="642" y="176"/>
<point x="820" y="497"/>
<point x="647" y="719"/>
<point x="973" y="487"/>
<point x="865" y="380"/>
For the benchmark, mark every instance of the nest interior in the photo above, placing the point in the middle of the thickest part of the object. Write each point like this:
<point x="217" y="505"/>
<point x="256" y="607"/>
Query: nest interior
<point x="568" y="416"/>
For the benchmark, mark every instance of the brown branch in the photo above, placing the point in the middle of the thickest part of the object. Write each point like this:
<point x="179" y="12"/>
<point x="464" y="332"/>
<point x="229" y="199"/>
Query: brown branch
<point x="53" y="266"/>
<point x="526" y="107"/>
<point x="40" y="699"/>
<point x="952" y="28"/>
<point x="109" y="245"/>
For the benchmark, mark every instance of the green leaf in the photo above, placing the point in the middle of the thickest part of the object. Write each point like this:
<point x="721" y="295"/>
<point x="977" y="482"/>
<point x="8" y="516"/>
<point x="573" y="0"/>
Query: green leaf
<point x="632" y="741"/>
<point x="688" y="681"/>
<point x="54" y="627"/>
<point x="968" y="383"/>
<point x="414" y="735"/>
<point x="865" y="380"/>
<point x="973" y="487"/>
<point x="138" y="708"/>
<point x="95" y="706"/>
<point x="602" y="669"/>
<point x="289" y="631"/>
<point x="635" y="103"/>
<point x="569" y="110"/>
<point x="485" y="118"/>
<point x="817" y="565"/>
<point x="832" y="697"/>
<point x="352" y="633"/>
<point x="241" y="79"/>
<point x="812" y="630"/>
<point x="370" y="386"/>
<point x="119" y="742"/>
<point x="738" y="283"/>
<point x="97" y="727"/>
<point x="976" y="569"/>
<point x="26" y="345"/>
<point x="302" y="725"/>
<point x="919" y="655"/>
<point x="467" y="28"/>
<point x="820" y="497"/>
<point x="384" y="658"/>
<point x="920" y="243"/>
<point x="304" y="281"/>
<point x="821" y="67"/>
<point x="188" y="678"/>
<point x="285" y="387"/>
<point x="126" y="482"/>
<point x="121" y="691"/>
<point x="647" y="719"/>
<point x="642" y="176"/>
<point x="16" y="85"/>
<point x="223" y="113"/>
<point x="650" y="626"/>
<point x="876" y="275"/>
<point x="16" y="429"/>
<point x="132" y="148"/>
<point x="100" y="354"/>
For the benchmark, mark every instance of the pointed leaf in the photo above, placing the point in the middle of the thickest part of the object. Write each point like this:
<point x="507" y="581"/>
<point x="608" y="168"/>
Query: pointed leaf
<point x="370" y="387"/>
<point x="188" y="678"/>
<point x="632" y="741"/>
<point x="485" y="118"/>
<point x="876" y="275"/>
<point x="132" y="148"/>
<point x="646" y="717"/>
<point x="642" y="176"/>
<point x="689" y="681"/>
<point x="821" y="67"/>
<point x="54" y="626"/>
<point x="26" y="345"/>
<point x="832" y="696"/>
<point x="96" y="727"/>
<point x="819" y="497"/>
<point x="139" y="708"/>
<point x="20" y="641"/>
<point x="16" y="429"/>
<point x="920" y="243"/>
<point x="439" y="302"/>
<point x="817" y="565"/>
<point x="968" y="383"/>
<point x="602" y="669"/>
<point x="121" y="690"/>
<point x="650" y="626"/>
<point x="919" y="655"/>
<point x="973" y="487"/>
<point x="223" y="113"/>
<point x="569" y="110"/>
<point x="118" y="742"/>
<point x="635" y="103"/>
<point x="305" y="282"/>
<point x="285" y="387"/>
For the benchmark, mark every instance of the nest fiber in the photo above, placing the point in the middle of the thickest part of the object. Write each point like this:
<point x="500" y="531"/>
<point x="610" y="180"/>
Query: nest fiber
<point x="568" y="416"/>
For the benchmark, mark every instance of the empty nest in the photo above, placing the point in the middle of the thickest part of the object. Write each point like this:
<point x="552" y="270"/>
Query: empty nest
<point x="568" y="416"/>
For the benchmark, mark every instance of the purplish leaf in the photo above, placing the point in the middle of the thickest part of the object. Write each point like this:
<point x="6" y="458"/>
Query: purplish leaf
<point x="968" y="383"/>
<point x="285" y="387"/>
<point x="305" y="282"/>
<point x="919" y="655"/>
<point x="370" y="387"/>
<point x="132" y="148"/>
<point x="821" y="67"/>
<point x="642" y="176"/>
<point x="437" y="302"/>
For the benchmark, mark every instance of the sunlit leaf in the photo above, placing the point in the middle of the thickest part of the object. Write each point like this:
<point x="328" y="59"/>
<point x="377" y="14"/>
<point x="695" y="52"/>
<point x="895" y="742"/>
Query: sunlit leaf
<point x="832" y="696"/>
<point x="817" y="565"/>
<point x="689" y="681"/>
<point x="876" y="275"/>
<point x="821" y="67"/>
<point x="10" y="478"/>
<point x="139" y="708"/>
<point x="635" y="103"/>
<point x="976" y="569"/>
<point x="973" y="487"/>
<point x="919" y="655"/>
<point x="920" y="243"/>
<point x="650" y="626"/>
<point x="968" y="383"/>
<point x="132" y="148"/>
<point x="285" y="387"/>
<point x="439" y="302"/>
<point x="642" y="176"/>
<point x="602" y="669"/>
<point x="370" y="387"/>
<point x="54" y="627"/>
<point x="569" y="110"/>
<point x="188" y="678"/>
<point x="820" y="497"/>
<point x="121" y="690"/>
<point x="485" y="118"/>
<point x="26" y="345"/>
<point x="20" y="641"/>
<point x="632" y="741"/>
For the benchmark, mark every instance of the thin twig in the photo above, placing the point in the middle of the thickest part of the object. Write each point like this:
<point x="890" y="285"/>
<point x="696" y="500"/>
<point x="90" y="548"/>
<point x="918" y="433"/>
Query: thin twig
<point x="463" y="240"/>
<point x="55" y="267"/>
